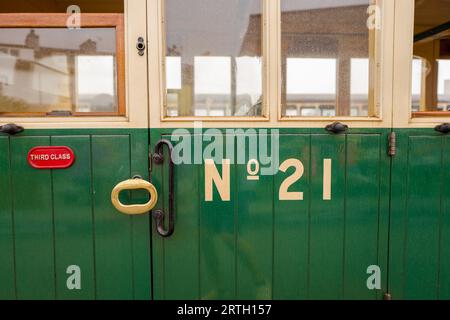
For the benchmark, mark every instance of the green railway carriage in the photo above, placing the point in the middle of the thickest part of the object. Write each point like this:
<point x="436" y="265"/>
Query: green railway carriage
<point x="224" y="149"/>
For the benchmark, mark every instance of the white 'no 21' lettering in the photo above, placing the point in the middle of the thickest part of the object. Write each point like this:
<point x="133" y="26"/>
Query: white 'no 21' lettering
<point x="222" y="182"/>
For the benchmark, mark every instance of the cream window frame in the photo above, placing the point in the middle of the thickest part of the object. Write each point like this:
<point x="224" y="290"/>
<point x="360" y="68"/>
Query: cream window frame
<point x="375" y="37"/>
<point x="136" y="103"/>
<point x="383" y="78"/>
<point x="157" y="35"/>
<point x="403" y="55"/>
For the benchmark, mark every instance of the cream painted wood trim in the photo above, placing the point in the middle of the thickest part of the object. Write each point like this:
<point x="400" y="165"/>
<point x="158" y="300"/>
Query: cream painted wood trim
<point x="272" y="83"/>
<point x="135" y="84"/>
<point x="403" y="54"/>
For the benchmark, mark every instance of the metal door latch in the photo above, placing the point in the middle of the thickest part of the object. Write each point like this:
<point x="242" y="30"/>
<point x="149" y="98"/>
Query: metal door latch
<point x="392" y="144"/>
<point x="140" y="46"/>
<point x="11" y="129"/>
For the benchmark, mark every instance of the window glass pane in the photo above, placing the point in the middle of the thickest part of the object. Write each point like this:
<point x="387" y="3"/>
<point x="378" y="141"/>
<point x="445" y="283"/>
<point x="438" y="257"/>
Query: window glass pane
<point x="44" y="70"/>
<point x="431" y="63"/>
<point x="417" y="75"/>
<point x="325" y="52"/>
<point x="444" y="85"/>
<point x="213" y="60"/>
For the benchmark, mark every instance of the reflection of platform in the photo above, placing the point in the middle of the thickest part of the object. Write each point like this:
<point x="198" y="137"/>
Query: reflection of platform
<point x="38" y="73"/>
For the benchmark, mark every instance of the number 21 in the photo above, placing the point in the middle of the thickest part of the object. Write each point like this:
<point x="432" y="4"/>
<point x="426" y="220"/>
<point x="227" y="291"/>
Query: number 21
<point x="286" y="195"/>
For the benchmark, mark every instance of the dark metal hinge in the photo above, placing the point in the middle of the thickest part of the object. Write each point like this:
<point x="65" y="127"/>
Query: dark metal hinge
<point x="392" y="144"/>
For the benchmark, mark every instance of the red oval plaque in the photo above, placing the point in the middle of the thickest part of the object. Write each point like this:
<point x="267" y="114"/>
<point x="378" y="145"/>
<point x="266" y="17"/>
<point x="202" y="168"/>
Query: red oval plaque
<point x="51" y="157"/>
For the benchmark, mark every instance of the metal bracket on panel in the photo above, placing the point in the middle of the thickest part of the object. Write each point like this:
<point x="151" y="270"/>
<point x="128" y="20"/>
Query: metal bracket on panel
<point x="392" y="144"/>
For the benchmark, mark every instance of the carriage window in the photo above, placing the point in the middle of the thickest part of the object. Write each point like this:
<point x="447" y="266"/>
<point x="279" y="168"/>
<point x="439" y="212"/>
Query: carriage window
<point x="431" y="63"/>
<point x="48" y="69"/>
<point x="213" y="59"/>
<point x="326" y="58"/>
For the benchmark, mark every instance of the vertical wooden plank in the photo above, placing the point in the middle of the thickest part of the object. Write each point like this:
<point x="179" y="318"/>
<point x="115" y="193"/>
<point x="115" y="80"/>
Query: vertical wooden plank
<point x="444" y="270"/>
<point x="7" y="275"/>
<point x="218" y="240"/>
<point x="384" y="212"/>
<point x="158" y="245"/>
<point x="423" y="210"/>
<point x="182" y="281"/>
<point x="254" y="232"/>
<point x="291" y="221"/>
<point x="113" y="230"/>
<point x="362" y="214"/>
<point x="33" y="217"/>
<point x="141" y="223"/>
<point x="327" y="219"/>
<point x="398" y="216"/>
<point x="72" y="203"/>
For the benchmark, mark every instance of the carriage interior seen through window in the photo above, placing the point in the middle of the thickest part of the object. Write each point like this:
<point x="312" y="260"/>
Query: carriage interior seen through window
<point x="213" y="58"/>
<point x="327" y="52"/>
<point x="431" y="63"/>
<point x="49" y="69"/>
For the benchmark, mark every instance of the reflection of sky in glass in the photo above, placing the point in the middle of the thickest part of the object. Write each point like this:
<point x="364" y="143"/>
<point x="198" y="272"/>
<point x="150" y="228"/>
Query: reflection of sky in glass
<point x="216" y="27"/>
<point x="416" y="76"/>
<point x="249" y="77"/>
<point x="95" y="75"/>
<point x="444" y="77"/>
<point x="212" y="75"/>
<point x="360" y="76"/>
<point x="173" y="73"/>
<point x="311" y="76"/>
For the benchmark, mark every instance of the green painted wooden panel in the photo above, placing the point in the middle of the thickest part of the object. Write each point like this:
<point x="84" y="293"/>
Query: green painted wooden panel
<point x="258" y="247"/>
<point x="7" y="275"/>
<point x="33" y="222"/>
<point x="139" y="147"/>
<point x="327" y="219"/>
<point x="419" y="233"/>
<point x="423" y="217"/>
<point x="184" y="244"/>
<point x="113" y="231"/>
<point x="254" y="214"/>
<point x="72" y="205"/>
<point x="218" y="247"/>
<point x="62" y="218"/>
<point x="158" y="253"/>
<point x="291" y="224"/>
<point x="444" y="270"/>
<point x="362" y="213"/>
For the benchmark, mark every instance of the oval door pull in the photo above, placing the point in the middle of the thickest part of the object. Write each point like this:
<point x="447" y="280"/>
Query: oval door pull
<point x="134" y="184"/>
<point x="443" y="128"/>
<point x="11" y="129"/>
<point x="337" y="128"/>
<point x="158" y="215"/>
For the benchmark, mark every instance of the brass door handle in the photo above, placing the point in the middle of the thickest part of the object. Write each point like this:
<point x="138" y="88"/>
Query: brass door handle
<point x="134" y="184"/>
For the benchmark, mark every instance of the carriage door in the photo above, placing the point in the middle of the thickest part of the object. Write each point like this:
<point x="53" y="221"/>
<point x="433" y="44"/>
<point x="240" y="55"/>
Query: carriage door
<point x="278" y="117"/>
<point x="73" y="123"/>
<point x="420" y="227"/>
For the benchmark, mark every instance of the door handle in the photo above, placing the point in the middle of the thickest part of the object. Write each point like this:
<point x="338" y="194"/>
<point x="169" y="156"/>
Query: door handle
<point x="11" y="129"/>
<point x="443" y="128"/>
<point x="134" y="184"/>
<point x="158" y="215"/>
<point x="337" y="128"/>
